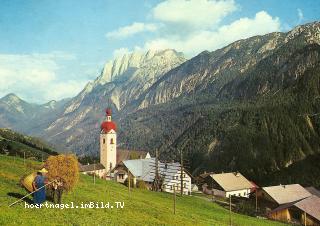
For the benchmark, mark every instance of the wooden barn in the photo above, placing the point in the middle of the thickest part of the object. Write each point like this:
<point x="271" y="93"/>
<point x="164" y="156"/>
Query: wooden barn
<point x="272" y="197"/>
<point x="305" y="212"/>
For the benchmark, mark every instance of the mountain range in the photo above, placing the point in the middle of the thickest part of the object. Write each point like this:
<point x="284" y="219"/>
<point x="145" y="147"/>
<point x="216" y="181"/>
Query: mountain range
<point x="251" y="106"/>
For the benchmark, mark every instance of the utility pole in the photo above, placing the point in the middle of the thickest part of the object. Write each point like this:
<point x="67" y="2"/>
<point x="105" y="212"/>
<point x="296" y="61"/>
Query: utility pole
<point x="256" y="201"/>
<point x="181" y="173"/>
<point x="174" y="199"/>
<point x="94" y="172"/>
<point x="156" y="184"/>
<point x="128" y="181"/>
<point x="230" y="222"/>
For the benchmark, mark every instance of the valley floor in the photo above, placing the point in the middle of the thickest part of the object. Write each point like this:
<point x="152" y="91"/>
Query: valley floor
<point x="141" y="207"/>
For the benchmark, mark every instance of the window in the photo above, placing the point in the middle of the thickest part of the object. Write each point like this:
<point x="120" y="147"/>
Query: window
<point x="185" y="185"/>
<point x="121" y="176"/>
<point x="104" y="140"/>
<point x="111" y="141"/>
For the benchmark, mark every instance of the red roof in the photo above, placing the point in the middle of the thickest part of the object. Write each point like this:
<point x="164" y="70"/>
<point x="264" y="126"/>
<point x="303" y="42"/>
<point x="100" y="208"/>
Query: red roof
<point x="107" y="126"/>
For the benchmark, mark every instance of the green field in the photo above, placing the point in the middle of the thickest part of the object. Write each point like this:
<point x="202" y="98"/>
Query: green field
<point x="141" y="207"/>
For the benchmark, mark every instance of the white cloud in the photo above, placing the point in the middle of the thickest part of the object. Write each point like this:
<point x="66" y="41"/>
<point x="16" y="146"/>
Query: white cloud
<point x="120" y="52"/>
<point x="127" y="31"/>
<point x="300" y="15"/>
<point x="197" y="14"/>
<point x="34" y="77"/>
<point x="60" y="90"/>
<point x="210" y="40"/>
<point x="192" y="26"/>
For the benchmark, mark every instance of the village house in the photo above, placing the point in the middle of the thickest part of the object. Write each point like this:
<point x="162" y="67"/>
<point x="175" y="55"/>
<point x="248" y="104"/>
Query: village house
<point x="305" y="212"/>
<point x="226" y="184"/>
<point x="91" y="169"/>
<point x="110" y="155"/>
<point x="144" y="169"/>
<point x="274" y="196"/>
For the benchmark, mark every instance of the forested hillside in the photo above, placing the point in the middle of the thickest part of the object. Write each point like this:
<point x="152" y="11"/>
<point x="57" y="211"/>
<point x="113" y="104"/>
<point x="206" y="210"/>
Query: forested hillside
<point x="16" y="144"/>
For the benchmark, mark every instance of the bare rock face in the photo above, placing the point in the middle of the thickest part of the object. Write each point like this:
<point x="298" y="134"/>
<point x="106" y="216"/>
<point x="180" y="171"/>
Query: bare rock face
<point x="121" y="83"/>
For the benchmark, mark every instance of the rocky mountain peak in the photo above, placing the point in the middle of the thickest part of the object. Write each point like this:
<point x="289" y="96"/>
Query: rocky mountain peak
<point x="11" y="98"/>
<point x="51" y="104"/>
<point x="311" y="32"/>
<point x="114" y="69"/>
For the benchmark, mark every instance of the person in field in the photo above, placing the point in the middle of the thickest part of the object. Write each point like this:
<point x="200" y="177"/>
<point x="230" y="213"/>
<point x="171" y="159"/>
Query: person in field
<point x="40" y="195"/>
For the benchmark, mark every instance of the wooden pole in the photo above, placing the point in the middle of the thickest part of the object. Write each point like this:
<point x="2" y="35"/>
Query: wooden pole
<point x="230" y="222"/>
<point x="128" y="181"/>
<point x="305" y="219"/>
<point x="157" y="171"/>
<point x="94" y="172"/>
<point x="30" y="193"/>
<point x="181" y="173"/>
<point x="174" y="199"/>
<point x="256" y="201"/>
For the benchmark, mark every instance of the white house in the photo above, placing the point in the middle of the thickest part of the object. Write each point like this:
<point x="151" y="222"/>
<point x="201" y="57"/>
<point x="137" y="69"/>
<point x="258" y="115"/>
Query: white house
<point x="226" y="184"/>
<point x="171" y="177"/>
<point x="145" y="170"/>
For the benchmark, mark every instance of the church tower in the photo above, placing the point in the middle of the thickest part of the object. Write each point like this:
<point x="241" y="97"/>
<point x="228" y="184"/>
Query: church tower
<point x="108" y="143"/>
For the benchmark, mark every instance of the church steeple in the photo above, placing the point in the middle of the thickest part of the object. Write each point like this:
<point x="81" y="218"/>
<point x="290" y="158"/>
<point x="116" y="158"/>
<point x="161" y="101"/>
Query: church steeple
<point x="108" y="125"/>
<point x="108" y="143"/>
<point x="108" y="114"/>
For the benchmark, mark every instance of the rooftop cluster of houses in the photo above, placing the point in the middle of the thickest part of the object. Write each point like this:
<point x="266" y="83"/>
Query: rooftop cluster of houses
<point x="289" y="203"/>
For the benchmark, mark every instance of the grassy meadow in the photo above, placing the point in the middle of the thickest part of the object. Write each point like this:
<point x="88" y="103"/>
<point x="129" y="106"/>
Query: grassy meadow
<point x="141" y="207"/>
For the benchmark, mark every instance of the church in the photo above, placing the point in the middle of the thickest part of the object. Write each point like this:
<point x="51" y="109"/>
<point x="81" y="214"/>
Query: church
<point x="110" y="155"/>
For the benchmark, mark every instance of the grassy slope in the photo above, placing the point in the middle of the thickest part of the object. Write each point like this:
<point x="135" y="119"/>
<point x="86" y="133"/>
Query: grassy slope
<point x="141" y="207"/>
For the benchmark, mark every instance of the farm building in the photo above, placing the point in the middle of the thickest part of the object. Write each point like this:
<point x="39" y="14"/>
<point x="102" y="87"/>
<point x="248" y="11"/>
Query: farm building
<point x="305" y="211"/>
<point x="90" y="169"/>
<point x="275" y="196"/>
<point x="144" y="169"/>
<point x="226" y="184"/>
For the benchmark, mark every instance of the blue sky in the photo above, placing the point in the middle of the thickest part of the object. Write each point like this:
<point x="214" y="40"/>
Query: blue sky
<point x="51" y="49"/>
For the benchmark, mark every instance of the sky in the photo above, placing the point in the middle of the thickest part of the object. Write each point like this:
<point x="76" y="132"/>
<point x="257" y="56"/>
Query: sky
<point x="50" y="49"/>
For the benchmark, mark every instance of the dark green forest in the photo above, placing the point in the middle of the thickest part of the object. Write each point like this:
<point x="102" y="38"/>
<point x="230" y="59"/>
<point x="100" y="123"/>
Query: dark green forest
<point x="16" y="144"/>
